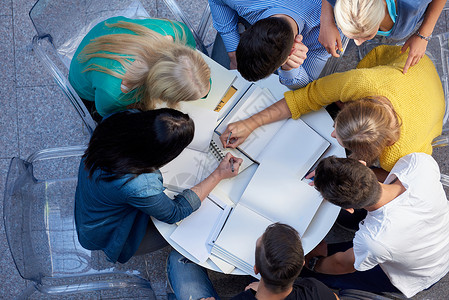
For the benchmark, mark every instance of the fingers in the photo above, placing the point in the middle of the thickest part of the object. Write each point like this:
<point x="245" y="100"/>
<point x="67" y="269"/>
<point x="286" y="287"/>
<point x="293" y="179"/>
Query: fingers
<point x="339" y="44"/>
<point x="404" y="48"/>
<point x="310" y="175"/>
<point x="407" y="64"/>
<point x="298" y="38"/>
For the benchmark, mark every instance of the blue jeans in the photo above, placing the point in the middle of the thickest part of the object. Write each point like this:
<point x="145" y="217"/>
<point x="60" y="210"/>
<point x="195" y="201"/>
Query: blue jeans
<point x="188" y="280"/>
<point x="374" y="280"/>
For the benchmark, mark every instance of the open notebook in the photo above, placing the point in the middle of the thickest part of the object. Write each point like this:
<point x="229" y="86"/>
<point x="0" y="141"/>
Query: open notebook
<point x="276" y="193"/>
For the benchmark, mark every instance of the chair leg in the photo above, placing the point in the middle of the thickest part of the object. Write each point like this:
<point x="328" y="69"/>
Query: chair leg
<point x="26" y="293"/>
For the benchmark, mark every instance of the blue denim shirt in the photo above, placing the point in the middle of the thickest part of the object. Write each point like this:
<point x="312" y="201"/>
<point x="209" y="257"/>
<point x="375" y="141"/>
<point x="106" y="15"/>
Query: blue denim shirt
<point x="409" y="14"/>
<point x="113" y="216"/>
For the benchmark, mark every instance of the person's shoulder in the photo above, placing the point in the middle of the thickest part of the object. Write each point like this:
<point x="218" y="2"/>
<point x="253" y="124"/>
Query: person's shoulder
<point x="310" y="289"/>
<point x="420" y="164"/>
<point x="144" y="185"/>
<point x="245" y="295"/>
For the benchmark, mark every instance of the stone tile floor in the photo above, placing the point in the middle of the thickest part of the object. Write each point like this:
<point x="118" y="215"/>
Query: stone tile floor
<point x="35" y="115"/>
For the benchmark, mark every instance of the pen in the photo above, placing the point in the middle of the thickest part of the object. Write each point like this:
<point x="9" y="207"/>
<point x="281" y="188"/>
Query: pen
<point x="232" y="164"/>
<point x="227" y="141"/>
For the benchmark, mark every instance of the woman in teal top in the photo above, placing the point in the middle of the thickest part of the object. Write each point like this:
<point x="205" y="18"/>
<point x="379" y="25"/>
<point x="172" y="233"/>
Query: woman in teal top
<point x="125" y="62"/>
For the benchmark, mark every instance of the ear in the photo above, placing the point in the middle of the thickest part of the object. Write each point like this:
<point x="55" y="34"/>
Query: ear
<point x="256" y="271"/>
<point x="349" y="210"/>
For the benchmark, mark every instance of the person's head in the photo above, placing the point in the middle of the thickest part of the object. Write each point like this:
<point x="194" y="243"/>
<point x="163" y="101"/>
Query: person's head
<point x="279" y="257"/>
<point x="158" y="68"/>
<point x="366" y="127"/>
<point x="264" y="47"/>
<point x="359" y="19"/>
<point x="136" y="142"/>
<point x="347" y="182"/>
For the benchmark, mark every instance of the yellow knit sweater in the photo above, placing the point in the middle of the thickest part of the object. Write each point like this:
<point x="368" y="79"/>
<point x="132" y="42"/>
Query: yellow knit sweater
<point x="417" y="97"/>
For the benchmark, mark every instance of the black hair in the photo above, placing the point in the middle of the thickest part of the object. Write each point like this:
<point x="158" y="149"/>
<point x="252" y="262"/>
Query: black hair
<point x="347" y="183"/>
<point x="136" y="142"/>
<point x="264" y="47"/>
<point x="279" y="257"/>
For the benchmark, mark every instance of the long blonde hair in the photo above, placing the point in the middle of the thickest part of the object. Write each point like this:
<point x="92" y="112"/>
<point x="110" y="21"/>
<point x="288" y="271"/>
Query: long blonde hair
<point x="359" y="18"/>
<point x="367" y="126"/>
<point x="157" y="68"/>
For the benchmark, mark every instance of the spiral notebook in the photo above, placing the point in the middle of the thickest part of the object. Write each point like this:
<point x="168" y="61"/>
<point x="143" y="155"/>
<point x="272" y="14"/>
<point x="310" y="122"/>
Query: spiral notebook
<point x="193" y="166"/>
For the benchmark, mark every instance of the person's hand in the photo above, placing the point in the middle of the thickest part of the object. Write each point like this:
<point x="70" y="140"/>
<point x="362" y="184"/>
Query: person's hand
<point x="417" y="47"/>
<point x="253" y="285"/>
<point x="233" y="61"/>
<point x="297" y="55"/>
<point x="310" y="176"/>
<point x="330" y="38"/>
<point x="319" y="250"/>
<point x="239" y="131"/>
<point x="228" y="167"/>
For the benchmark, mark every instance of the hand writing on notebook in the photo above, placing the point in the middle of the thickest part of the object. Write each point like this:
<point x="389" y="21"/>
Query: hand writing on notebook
<point x="236" y="133"/>
<point x="223" y="171"/>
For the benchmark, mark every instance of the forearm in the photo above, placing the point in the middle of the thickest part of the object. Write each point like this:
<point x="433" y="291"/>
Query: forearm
<point x="276" y="112"/>
<point x="206" y="186"/>
<point x="327" y="14"/>
<point x="337" y="264"/>
<point x="295" y="78"/>
<point x="431" y="17"/>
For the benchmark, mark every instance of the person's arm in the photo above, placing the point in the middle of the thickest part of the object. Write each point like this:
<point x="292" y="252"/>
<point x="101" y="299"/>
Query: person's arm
<point x="225" y="21"/>
<point x="417" y="44"/>
<point x="292" y="73"/>
<point x="223" y="171"/>
<point x="329" y="35"/>
<point x="337" y="264"/>
<point x="170" y="211"/>
<point x="240" y="130"/>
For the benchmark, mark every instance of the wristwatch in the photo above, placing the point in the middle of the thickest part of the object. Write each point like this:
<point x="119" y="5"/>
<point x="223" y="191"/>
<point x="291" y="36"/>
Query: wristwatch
<point x="312" y="263"/>
<point x="427" y="38"/>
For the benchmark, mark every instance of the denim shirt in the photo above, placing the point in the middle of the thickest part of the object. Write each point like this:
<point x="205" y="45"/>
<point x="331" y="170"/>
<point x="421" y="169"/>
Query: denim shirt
<point x="113" y="216"/>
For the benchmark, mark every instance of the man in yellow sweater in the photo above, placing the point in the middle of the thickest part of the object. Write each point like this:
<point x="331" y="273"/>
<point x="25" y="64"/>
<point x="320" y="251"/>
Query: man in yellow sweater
<point x="416" y="97"/>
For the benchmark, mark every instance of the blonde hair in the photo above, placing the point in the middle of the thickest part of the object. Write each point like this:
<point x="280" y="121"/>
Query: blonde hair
<point x="359" y="18"/>
<point x="367" y="126"/>
<point x="157" y="68"/>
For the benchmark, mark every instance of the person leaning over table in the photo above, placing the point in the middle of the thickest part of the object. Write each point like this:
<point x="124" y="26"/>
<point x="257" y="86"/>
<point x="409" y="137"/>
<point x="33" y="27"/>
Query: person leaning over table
<point x="138" y="62"/>
<point x="279" y="258"/>
<point x="120" y="185"/>
<point x="362" y="20"/>
<point x="398" y="113"/>
<point x="402" y="243"/>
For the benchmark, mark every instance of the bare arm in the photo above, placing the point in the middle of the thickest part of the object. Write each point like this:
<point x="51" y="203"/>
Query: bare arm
<point x="233" y="60"/>
<point x="418" y="45"/>
<point x="329" y="35"/>
<point x="223" y="171"/>
<point x="242" y="129"/>
<point x="336" y="264"/>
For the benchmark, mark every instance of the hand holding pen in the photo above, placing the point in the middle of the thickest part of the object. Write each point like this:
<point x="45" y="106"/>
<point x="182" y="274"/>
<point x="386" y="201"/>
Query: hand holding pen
<point x="229" y="166"/>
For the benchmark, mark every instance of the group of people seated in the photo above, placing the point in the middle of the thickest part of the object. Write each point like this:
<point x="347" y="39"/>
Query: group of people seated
<point x="391" y="108"/>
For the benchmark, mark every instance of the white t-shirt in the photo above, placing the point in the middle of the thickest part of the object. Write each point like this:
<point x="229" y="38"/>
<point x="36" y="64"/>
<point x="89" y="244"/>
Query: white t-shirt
<point x="409" y="236"/>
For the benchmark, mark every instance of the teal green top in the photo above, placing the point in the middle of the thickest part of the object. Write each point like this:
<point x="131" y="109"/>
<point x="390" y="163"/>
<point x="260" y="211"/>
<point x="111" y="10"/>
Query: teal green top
<point x="103" y="88"/>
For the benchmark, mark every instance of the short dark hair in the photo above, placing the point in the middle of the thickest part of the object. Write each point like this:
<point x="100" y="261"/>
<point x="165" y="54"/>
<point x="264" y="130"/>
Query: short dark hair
<point x="279" y="257"/>
<point x="347" y="183"/>
<point x="136" y="142"/>
<point x="264" y="47"/>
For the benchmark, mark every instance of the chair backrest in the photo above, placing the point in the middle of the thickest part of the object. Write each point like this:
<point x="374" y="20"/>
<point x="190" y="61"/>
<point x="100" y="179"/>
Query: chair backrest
<point x="40" y="229"/>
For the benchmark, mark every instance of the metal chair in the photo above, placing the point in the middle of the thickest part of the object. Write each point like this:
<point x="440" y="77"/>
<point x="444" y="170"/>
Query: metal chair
<point x="40" y="230"/>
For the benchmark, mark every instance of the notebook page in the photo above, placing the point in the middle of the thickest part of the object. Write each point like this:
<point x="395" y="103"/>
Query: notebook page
<point x="255" y="100"/>
<point x="276" y="190"/>
<point x="240" y="234"/>
<point x="205" y="122"/>
<point x="193" y="232"/>
<point x="185" y="171"/>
